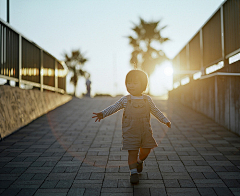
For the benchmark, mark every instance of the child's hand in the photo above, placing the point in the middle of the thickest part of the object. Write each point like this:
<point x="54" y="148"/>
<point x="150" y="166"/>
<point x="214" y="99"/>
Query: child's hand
<point x="98" y="116"/>
<point x="169" y="125"/>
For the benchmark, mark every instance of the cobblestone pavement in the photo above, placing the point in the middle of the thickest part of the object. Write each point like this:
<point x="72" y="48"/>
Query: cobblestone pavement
<point x="66" y="153"/>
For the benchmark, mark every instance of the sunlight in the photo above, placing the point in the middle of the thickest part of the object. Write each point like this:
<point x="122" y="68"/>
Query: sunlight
<point x="214" y="67"/>
<point x="159" y="82"/>
<point x="234" y="58"/>
<point x="168" y="71"/>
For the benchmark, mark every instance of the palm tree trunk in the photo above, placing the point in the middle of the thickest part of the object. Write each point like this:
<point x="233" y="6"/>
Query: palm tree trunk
<point x="74" y="93"/>
<point x="148" y="89"/>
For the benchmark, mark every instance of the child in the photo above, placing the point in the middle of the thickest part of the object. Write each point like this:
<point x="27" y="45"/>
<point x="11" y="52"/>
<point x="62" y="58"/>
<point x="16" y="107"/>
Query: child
<point x="136" y="128"/>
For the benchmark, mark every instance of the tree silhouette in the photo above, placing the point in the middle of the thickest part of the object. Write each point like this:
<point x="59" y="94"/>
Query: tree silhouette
<point x="146" y="43"/>
<point x="75" y="63"/>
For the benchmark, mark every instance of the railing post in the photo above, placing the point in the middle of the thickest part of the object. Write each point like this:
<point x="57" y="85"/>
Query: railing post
<point x="216" y="110"/>
<point x="20" y="62"/>
<point x="187" y="57"/>
<point x="177" y="76"/>
<point x="188" y="61"/>
<point x="41" y="70"/>
<point x="225" y="62"/>
<point x="201" y="51"/>
<point x="56" y="75"/>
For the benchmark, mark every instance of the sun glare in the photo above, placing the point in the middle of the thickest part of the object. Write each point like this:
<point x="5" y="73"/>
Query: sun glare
<point x="168" y="71"/>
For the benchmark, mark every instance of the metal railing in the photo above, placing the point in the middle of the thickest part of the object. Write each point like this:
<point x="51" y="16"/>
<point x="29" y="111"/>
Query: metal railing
<point x="216" y="41"/>
<point x="24" y="62"/>
<point x="215" y="93"/>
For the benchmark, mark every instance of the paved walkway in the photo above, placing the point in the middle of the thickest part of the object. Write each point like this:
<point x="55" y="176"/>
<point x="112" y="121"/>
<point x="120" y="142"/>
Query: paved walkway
<point x="66" y="153"/>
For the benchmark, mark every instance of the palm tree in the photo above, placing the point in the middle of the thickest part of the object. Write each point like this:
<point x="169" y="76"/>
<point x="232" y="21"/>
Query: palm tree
<point x="147" y="53"/>
<point x="75" y="63"/>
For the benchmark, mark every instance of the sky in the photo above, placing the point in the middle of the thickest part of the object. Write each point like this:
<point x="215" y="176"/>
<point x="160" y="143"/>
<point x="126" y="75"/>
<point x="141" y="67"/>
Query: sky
<point x="99" y="29"/>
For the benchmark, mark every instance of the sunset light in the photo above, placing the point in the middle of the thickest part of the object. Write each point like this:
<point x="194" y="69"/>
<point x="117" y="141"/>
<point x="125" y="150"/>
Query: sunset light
<point x="168" y="71"/>
<point x="119" y="97"/>
<point x="107" y="47"/>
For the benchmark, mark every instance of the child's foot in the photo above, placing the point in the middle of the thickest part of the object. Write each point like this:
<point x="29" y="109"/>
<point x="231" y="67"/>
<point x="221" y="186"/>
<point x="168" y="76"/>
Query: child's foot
<point x="134" y="179"/>
<point x="139" y="167"/>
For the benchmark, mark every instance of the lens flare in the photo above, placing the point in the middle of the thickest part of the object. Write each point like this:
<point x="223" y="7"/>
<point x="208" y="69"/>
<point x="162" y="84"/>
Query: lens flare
<point x="168" y="71"/>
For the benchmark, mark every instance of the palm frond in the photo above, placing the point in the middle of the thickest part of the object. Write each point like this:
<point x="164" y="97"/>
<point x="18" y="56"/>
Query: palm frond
<point x="144" y="55"/>
<point x="133" y="42"/>
<point x="164" y="39"/>
<point x="163" y="27"/>
<point x="75" y="62"/>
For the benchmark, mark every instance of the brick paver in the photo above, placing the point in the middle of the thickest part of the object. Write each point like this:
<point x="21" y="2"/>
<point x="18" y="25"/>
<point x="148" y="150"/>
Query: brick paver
<point x="66" y="153"/>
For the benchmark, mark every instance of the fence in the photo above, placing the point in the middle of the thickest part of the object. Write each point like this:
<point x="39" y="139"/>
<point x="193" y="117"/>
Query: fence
<point x="24" y="62"/>
<point x="207" y="78"/>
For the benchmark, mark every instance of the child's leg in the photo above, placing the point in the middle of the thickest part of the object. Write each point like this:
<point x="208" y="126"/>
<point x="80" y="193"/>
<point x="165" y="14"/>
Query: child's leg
<point x="132" y="162"/>
<point x="143" y="154"/>
<point x="132" y="159"/>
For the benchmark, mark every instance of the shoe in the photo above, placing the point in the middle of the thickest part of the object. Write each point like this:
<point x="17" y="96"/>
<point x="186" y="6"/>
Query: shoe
<point x="139" y="167"/>
<point x="134" y="179"/>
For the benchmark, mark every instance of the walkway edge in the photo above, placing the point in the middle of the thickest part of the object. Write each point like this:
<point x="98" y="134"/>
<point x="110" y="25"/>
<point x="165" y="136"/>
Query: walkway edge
<point x="18" y="107"/>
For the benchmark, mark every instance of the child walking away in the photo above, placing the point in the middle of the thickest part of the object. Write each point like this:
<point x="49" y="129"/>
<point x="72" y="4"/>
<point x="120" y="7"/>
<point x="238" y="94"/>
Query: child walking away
<point x="136" y="129"/>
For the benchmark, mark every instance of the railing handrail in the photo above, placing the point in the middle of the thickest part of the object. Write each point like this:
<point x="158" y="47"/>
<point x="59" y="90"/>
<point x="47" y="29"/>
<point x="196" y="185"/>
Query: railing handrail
<point x="58" y="85"/>
<point x="32" y="42"/>
<point x="212" y="47"/>
<point x="201" y="27"/>
<point x="219" y="74"/>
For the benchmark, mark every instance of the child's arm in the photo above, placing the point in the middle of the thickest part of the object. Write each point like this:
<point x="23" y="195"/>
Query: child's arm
<point x="110" y="110"/>
<point x="157" y="113"/>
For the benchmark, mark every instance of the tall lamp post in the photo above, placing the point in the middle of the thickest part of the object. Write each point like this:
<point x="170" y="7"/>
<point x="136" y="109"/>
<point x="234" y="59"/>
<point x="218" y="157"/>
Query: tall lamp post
<point x="8" y="18"/>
